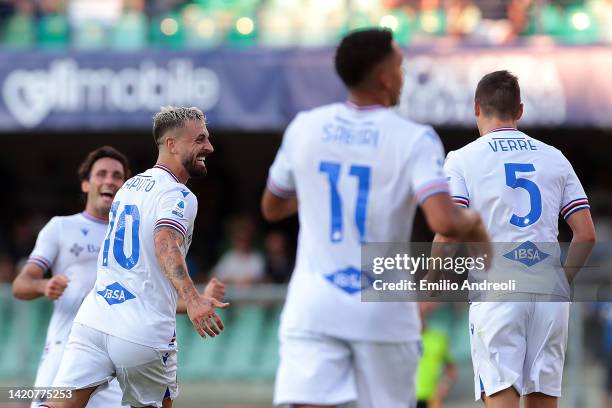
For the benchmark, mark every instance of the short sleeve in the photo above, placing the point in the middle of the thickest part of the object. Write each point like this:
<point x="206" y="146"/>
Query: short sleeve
<point x="574" y="197"/>
<point x="456" y="180"/>
<point x="177" y="209"/>
<point x="280" y="178"/>
<point x="47" y="245"/>
<point x="427" y="174"/>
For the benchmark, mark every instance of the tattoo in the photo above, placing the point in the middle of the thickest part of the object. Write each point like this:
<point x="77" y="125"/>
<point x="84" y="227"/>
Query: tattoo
<point x="170" y="253"/>
<point x="180" y="272"/>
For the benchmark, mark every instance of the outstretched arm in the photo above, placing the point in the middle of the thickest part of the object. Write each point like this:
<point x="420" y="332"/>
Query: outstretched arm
<point x="171" y="257"/>
<point x="215" y="289"/>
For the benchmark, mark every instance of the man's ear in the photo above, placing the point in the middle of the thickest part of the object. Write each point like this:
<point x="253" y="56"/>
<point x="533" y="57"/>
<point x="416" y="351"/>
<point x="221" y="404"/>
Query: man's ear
<point x="476" y="108"/>
<point x="519" y="114"/>
<point x="170" y="143"/>
<point x="85" y="186"/>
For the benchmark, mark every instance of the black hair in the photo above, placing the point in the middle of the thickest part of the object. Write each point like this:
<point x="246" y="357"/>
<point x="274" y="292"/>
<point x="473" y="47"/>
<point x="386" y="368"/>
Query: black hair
<point x="359" y="52"/>
<point x="499" y="95"/>
<point x="84" y="171"/>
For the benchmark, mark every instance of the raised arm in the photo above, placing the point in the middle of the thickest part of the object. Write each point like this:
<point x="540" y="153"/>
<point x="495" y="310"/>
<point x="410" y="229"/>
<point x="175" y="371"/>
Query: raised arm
<point x="170" y="254"/>
<point x="30" y="284"/>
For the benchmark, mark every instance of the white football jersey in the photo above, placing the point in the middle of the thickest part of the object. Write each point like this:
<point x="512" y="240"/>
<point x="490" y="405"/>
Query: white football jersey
<point x="132" y="298"/>
<point x="69" y="245"/>
<point x="358" y="174"/>
<point x="519" y="186"/>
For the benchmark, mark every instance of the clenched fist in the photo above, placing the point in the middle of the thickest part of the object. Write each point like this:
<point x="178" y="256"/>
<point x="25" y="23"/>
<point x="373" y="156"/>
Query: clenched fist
<point x="55" y="286"/>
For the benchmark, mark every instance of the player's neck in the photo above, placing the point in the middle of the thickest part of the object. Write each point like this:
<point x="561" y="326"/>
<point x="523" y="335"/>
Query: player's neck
<point x="368" y="99"/>
<point x="487" y="126"/>
<point x="176" y="168"/>
<point x="93" y="212"/>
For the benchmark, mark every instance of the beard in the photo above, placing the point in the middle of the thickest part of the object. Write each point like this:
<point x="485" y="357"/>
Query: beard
<point x="195" y="170"/>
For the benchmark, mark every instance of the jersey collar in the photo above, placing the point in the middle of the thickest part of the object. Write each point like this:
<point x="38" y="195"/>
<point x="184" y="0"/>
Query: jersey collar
<point x="364" y="108"/>
<point x="167" y="170"/>
<point x="94" y="218"/>
<point x="502" y="129"/>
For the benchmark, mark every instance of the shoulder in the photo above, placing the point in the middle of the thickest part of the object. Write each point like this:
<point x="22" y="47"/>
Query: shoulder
<point x="408" y="131"/>
<point x="178" y="191"/>
<point x="551" y="152"/>
<point x="315" y="114"/>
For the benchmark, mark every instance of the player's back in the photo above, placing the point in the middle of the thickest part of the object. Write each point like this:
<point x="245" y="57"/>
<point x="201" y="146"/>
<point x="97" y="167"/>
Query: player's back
<point x="353" y="172"/>
<point x="518" y="184"/>
<point x="356" y="174"/>
<point x="130" y="285"/>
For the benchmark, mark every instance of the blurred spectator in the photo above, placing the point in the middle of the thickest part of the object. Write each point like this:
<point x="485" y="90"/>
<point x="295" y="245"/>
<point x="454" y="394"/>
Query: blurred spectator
<point x="436" y="372"/>
<point x="518" y="15"/>
<point x="25" y="230"/>
<point x="130" y="32"/>
<point x="241" y="264"/>
<point x="19" y="29"/>
<point x="605" y="313"/>
<point x="462" y="17"/>
<point x="7" y="269"/>
<point x="53" y="24"/>
<point x="278" y="264"/>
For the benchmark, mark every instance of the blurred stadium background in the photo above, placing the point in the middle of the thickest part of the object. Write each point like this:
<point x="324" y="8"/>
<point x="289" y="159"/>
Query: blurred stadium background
<point x="77" y="74"/>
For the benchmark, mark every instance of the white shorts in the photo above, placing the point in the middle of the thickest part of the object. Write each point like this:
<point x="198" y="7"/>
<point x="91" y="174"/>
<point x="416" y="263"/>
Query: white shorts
<point x="518" y="344"/>
<point x="92" y="358"/>
<point x="106" y="397"/>
<point x="322" y="370"/>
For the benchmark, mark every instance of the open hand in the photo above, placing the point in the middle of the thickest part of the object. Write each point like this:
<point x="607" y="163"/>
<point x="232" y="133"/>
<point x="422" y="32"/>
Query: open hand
<point x="201" y="312"/>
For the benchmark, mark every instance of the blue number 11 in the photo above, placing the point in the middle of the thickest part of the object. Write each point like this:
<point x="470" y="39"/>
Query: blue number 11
<point x="363" y="177"/>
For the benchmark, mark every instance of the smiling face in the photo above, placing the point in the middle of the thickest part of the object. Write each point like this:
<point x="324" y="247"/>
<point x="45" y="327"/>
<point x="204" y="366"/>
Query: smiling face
<point x="105" y="178"/>
<point x="193" y="146"/>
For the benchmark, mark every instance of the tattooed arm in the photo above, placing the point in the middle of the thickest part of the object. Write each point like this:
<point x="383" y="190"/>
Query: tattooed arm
<point x="169" y="250"/>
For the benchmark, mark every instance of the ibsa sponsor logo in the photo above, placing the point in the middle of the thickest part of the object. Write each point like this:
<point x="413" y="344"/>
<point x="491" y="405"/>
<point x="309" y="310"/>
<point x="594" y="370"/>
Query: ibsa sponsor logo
<point x="527" y="253"/>
<point x="349" y="280"/>
<point x="115" y="294"/>
<point x="31" y="95"/>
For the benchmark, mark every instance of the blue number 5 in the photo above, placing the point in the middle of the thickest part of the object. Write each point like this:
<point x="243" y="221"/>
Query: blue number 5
<point x="535" y="197"/>
<point x="363" y="176"/>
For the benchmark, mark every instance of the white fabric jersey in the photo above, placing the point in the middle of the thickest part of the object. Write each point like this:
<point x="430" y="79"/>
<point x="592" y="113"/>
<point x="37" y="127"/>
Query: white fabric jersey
<point x="69" y="246"/>
<point x="519" y="186"/>
<point x="132" y="298"/>
<point x="358" y="174"/>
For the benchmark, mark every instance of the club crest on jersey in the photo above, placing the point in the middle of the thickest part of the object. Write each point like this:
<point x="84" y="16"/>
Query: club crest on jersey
<point x="348" y="279"/>
<point x="179" y="208"/>
<point x="115" y="294"/>
<point x="527" y="253"/>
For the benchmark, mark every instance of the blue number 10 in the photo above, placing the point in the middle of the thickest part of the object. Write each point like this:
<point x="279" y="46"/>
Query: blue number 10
<point x="363" y="176"/>
<point x="119" y="241"/>
<point x="535" y="197"/>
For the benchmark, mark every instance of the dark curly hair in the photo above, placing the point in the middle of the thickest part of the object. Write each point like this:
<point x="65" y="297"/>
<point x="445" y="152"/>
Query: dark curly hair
<point x="105" y="151"/>
<point x="359" y="52"/>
